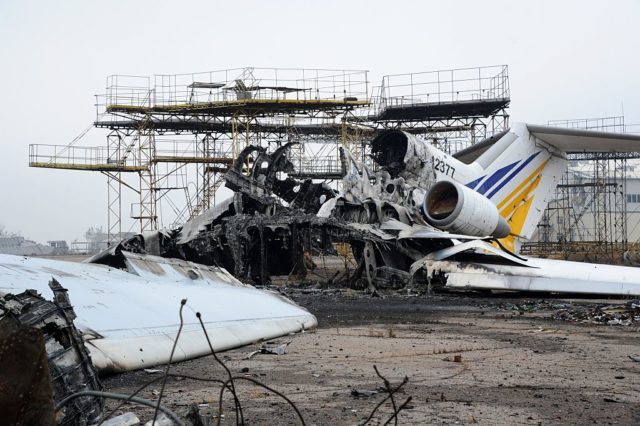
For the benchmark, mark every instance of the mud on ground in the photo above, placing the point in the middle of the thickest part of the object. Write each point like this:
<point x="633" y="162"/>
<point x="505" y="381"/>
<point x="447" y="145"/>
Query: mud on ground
<point x="470" y="359"/>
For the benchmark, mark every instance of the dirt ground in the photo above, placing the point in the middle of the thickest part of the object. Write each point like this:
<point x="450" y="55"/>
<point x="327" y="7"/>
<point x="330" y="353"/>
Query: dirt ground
<point x="469" y="359"/>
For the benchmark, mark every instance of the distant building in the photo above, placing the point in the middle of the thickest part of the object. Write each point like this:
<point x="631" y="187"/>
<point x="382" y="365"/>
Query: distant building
<point x="23" y="247"/>
<point x="60" y="247"/>
<point x="586" y="216"/>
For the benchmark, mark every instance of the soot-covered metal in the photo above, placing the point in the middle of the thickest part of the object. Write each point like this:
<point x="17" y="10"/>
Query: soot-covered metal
<point x="274" y="223"/>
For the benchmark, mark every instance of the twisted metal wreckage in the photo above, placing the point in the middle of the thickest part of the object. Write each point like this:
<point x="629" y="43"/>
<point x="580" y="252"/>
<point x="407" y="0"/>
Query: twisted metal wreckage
<point x="44" y="360"/>
<point x="423" y="218"/>
<point x="274" y="221"/>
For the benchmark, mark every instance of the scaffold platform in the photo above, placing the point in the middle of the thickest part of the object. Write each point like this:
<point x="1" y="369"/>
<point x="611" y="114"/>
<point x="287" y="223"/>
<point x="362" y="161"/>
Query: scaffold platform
<point x="102" y="159"/>
<point x="203" y="124"/>
<point x="440" y="95"/>
<point x="79" y="158"/>
<point x="245" y="91"/>
<point x="232" y="107"/>
<point x="442" y="110"/>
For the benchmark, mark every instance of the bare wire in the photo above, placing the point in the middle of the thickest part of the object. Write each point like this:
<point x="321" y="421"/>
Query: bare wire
<point x="270" y="389"/>
<point x="390" y="392"/>
<point x="387" y="385"/>
<point x="402" y="406"/>
<point x="173" y="349"/>
<point x="238" y="406"/>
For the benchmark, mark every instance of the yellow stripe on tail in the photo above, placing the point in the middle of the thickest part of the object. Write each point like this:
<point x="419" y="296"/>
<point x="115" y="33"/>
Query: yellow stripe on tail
<point x="515" y="207"/>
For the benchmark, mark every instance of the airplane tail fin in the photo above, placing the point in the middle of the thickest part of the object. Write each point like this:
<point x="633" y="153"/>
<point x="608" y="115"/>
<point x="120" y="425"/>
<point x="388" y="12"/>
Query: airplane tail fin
<point x="521" y="169"/>
<point x="519" y="177"/>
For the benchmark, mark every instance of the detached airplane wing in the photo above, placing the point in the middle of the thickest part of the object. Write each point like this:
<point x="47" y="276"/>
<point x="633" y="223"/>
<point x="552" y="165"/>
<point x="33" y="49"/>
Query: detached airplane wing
<point x="130" y="318"/>
<point x="556" y="276"/>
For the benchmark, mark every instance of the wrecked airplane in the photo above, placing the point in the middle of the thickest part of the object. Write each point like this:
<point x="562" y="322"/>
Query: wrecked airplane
<point x="422" y="218"/>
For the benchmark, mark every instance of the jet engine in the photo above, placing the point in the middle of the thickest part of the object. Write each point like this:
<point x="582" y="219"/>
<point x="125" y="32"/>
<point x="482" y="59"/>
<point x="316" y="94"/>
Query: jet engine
<point x="456" y="208"/>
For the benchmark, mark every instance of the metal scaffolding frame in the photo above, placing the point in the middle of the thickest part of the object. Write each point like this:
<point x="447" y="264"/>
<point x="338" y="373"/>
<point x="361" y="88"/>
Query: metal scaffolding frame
<point x="587" y="216"/>
<point x="171" y="137"/>
<point x="452" y="109"/>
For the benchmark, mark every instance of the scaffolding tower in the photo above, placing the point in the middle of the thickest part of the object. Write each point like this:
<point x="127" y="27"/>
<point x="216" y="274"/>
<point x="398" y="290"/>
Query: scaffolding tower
<point x="179" y="133"/>
<point x="170" y="138"/>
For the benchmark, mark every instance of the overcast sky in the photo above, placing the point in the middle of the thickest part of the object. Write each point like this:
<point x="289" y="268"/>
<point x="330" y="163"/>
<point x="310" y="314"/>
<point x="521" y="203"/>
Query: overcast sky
<point x="567" y="59"/>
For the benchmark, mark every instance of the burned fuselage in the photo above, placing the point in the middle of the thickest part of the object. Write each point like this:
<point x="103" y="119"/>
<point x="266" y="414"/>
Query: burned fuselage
<point x="275" y="223"/>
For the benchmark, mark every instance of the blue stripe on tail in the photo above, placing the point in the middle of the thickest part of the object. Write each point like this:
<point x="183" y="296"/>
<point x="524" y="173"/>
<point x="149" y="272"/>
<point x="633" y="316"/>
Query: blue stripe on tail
<point x="474" y="183"/>
<point x="512" y="175"/>
<point x="495" y="177"/>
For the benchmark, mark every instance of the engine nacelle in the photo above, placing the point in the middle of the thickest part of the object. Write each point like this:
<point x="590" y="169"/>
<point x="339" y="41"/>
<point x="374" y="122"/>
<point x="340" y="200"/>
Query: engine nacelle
<point x="456" y="208"/>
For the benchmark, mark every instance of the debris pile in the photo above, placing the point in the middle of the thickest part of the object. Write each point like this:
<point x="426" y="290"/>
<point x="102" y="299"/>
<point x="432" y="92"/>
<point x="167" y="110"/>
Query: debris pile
<point x="608" y="314"/>
<point x="530" y="306"/>
<point x="403" y="217"/>
<point x="275" y="223"/>
<point x="627" y="314"/>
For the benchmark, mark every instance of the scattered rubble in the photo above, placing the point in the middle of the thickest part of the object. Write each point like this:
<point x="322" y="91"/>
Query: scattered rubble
<point x="595" y="313"/>
<point x="272" y="350"/>
<point x="364" y="393"/>
<point x="619" y="314"/>
<point x="125" y="419"/>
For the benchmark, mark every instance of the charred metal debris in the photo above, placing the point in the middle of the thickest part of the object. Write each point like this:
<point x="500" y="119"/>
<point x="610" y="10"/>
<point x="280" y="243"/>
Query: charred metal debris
<point x="38" y="337"/>
<point x="275" y="224"/>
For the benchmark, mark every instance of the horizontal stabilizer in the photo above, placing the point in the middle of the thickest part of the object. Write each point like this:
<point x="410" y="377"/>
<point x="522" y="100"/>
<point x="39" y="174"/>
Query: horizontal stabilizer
<point x="573" y="140"/>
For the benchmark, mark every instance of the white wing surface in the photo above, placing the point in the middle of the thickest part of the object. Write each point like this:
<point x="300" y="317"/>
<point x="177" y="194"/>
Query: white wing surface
<point x="130" y="319"/>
